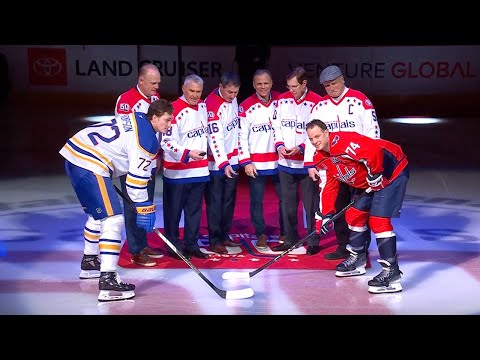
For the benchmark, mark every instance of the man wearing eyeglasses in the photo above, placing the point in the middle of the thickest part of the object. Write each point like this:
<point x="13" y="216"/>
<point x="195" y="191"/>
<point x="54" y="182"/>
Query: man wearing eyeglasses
<point x="290" y="118"/>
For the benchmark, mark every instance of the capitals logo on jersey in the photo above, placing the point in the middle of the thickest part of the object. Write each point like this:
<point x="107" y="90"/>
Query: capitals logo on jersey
<point x="347" y="176"/>
<point x="340" y="125"/>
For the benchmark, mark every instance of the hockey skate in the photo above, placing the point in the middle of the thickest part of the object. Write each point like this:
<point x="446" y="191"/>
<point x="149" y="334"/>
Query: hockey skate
<point x="388" y="280"/>
<point x="112" y="288"/>
<point x="90" y="267"/>
<point x="354" y="265"/>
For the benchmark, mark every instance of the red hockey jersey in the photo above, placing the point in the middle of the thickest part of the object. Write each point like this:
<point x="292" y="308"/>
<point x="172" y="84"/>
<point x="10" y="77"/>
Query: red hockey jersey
<point x="352" y="157"/>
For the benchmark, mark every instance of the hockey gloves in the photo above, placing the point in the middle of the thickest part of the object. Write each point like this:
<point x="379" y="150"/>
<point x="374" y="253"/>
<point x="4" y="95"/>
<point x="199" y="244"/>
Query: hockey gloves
<point x="376" y="181"/>
<point x="145" y="215"/>
<point x="323" y="224"/>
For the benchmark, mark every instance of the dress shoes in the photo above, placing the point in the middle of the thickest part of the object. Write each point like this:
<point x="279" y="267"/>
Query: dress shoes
<point x="282" y="247"/>
<point x="153" y="253"/>
<point x="313" y="250"/>
<point x="340" y="252"/>
<point x="219" y="248"/>
<point x="143" y="259"/>
<point x="228" y="242"/>
<point x="174" y="255"/>
<point x="262" y="242"/>
<point x="196" y="254"/>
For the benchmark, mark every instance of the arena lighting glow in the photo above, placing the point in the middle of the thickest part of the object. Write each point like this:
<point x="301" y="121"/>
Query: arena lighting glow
<point x="99" y="118"/>
<point x="416" y="120"/>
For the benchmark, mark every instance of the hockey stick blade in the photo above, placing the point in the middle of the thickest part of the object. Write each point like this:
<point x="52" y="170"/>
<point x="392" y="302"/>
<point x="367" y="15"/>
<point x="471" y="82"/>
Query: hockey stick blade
<point x="230" y="275"/>
<point x="239" y="294"/>
<point x="245" y="275"/>
<point x="230" y="294"/>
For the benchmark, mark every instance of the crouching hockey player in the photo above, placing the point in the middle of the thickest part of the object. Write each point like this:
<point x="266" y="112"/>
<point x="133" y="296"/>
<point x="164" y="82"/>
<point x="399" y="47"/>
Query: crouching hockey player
<point x="362" y="163"/>
<point x="96" y="155"/>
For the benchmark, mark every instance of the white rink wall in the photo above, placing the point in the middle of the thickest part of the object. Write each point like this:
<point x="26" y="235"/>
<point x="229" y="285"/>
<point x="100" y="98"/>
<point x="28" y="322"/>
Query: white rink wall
<point x="110" y="69"/>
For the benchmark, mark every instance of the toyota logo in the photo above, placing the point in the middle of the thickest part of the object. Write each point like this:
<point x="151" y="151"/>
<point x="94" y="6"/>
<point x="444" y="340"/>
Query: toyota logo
<point x="47" y="67"/>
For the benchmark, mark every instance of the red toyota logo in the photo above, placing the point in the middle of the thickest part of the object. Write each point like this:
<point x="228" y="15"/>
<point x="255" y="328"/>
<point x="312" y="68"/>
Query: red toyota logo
<point x="47" y="66"/>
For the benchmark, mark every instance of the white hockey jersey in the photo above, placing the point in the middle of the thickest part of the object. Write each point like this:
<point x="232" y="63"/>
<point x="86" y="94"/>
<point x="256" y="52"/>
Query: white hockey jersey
<point x="257" y="134"/>
<point x="125" y="145"/>
<point x="188" y="132"/>
<point x="223" y="129"/>
<point x="290" y="119"/>
<point x="352" y="111"/>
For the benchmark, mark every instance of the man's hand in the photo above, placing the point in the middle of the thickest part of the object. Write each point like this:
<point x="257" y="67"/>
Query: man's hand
<point x="197" y="154"/>
<point x="313" y="173"/>
<point x="229" y="172"/>
<point x="293" y="151"/>
<point x="251" y="171"/>
<point x="145" y="215"/>
<point x="323" y="224"/>
<point x="282" y="151"/>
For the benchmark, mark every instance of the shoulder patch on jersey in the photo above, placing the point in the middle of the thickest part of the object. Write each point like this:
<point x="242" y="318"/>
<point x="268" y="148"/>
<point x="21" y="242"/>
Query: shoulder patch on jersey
<point x="211" y="114"/>
<point x="368" y="102"/>
<point x="240" y="108"/>
<point x="335" y="140"/>
<point x="124" y="107"/>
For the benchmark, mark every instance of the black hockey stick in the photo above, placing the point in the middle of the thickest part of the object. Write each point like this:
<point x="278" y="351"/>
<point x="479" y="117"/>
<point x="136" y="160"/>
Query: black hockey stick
<point x="244" y="275"/>
<point x="225" y="294"/>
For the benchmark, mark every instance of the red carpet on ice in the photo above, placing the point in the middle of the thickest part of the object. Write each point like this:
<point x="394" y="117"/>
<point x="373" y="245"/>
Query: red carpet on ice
<point x="247" y="256"/>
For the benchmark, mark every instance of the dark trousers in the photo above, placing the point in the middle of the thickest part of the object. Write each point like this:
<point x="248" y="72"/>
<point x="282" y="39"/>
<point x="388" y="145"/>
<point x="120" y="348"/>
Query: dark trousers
<point x="257" y="191"/>
<point x="136" y="237"/>
<point x="291" y="185"/>
<point x="220" y="196"/>
<point x="186" y="197"/>
<point x="341" y="229"/>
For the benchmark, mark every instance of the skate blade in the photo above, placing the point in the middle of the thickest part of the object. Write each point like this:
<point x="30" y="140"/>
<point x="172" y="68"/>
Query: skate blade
<point x="111" y="295"/>
<point x="89" y="274"/>
<point x="393" y="287"/>
<point x="356" y="272"/>
<point x="386" y="299"/>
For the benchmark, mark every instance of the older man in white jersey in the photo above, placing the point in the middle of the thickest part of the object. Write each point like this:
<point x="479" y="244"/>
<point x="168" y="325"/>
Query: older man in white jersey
<point x="138" y="99"/>
<point x="256" y="150"/>
<point x="185" y="168"/>
<point x="221" y="190"/>
<point x="291" y="116"/>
